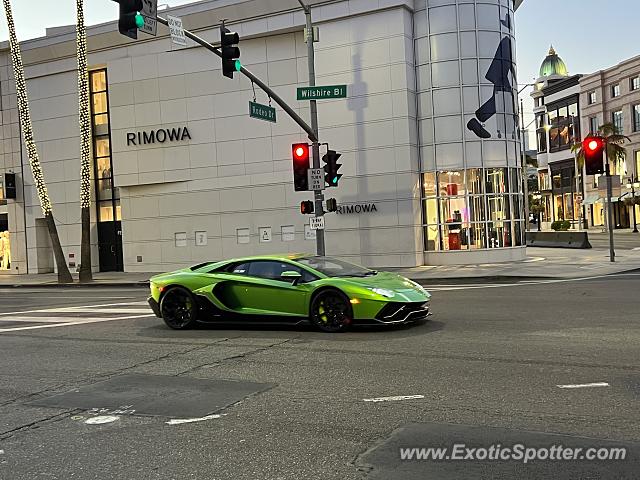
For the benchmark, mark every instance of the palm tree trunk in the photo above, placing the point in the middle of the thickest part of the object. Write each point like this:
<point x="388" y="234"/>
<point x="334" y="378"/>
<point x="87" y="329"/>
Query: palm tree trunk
<point x="27" y="131"/>
<point x="85" y="146"/>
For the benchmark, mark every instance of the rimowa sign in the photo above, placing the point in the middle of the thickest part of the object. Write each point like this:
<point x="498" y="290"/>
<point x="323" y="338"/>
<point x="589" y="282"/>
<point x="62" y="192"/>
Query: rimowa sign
<point x="162" y="135"/>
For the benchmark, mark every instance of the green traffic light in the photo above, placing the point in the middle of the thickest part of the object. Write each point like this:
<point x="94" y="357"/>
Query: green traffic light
<point x="139" y="21"/>
<point x="335" y="181"/>
<point x="238" y="65"/>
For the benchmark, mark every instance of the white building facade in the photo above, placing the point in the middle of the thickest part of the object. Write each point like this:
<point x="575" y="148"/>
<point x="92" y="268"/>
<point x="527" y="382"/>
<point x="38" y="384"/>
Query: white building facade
<point x="182" y="174"/>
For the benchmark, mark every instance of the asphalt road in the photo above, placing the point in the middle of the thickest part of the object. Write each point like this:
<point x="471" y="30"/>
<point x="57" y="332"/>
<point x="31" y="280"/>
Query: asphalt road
<point x="289" y="403"/>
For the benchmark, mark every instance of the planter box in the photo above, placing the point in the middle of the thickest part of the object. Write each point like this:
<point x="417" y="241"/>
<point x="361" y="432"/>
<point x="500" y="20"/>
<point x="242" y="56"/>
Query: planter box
<point x="558" y="239"/>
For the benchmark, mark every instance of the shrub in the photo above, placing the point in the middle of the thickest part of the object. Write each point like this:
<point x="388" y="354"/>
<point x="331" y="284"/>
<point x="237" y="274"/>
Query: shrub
<point x="561" y="225"/>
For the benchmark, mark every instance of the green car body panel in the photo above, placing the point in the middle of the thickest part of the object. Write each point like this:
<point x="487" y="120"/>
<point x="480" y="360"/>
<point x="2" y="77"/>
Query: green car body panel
<point x="248" y="295"/>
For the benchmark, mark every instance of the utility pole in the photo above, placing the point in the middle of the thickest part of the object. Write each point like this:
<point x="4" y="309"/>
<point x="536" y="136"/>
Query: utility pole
<point x="315" y="149"/>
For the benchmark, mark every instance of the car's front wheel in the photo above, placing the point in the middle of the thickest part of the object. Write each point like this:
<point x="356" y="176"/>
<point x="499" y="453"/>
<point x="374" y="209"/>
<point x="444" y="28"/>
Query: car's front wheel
<point x="331" y="311"/>
<point x="178" y="308"/>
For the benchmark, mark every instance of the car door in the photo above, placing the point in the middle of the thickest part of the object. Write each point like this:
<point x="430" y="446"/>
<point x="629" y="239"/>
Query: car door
<point x="263" y="290"/>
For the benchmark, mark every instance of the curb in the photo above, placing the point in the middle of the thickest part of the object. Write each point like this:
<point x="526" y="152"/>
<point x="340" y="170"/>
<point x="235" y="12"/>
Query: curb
<point x="140" y="284"/>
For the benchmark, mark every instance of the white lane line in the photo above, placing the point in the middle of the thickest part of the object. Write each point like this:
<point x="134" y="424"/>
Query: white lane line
<point x="67" y="324"/>
<point x="193" y="420"/>
<point x="522" y="283"/>
<point x="585" y="385"/>
<point x="28" y="319"/>
<point x="392" y="399"/>
<point x="76" y="308"/>
<point x="101" y="310"/>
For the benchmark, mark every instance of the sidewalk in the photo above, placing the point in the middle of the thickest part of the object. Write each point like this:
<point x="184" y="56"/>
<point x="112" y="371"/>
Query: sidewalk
<point x="549" y="263"/>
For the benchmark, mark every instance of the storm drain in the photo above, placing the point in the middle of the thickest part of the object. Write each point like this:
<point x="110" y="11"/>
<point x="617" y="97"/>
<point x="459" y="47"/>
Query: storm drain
<point x="157" y="395"/>
<point x="409" y="454"/>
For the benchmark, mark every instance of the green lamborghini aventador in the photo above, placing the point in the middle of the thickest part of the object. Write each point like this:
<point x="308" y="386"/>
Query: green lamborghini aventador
<point x="332" y="294"/>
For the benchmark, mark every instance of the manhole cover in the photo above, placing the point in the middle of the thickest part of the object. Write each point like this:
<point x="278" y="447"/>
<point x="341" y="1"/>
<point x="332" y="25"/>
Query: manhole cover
<point x="386" y="462"/>
<point x="157" y="395"/>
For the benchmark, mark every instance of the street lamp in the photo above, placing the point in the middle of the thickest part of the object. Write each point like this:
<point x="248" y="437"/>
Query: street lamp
<point x="632" y="185"/>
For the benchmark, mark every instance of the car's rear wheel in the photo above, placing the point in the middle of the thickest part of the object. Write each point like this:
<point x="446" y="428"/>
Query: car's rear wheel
<point x="178" y="308"/>
<point x="331" y="311"/>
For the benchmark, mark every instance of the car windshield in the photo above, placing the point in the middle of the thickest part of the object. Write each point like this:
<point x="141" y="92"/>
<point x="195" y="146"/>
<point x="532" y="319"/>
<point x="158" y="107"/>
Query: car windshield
<point x="333" y="267"/>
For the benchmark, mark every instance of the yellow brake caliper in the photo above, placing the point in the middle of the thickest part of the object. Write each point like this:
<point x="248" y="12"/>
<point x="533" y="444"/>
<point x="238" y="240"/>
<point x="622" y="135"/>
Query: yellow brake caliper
<point x="321" y="313"/>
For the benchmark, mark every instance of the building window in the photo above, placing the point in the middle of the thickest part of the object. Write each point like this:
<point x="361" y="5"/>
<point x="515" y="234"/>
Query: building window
<point x="615" y="91"/>
<point x="638" y="164"/>
<point x="636" y="118"/>
<point x="616" y="119"/>
<point x="107" y="196"/>
<point x="635" y="83"/>
<point x="592" y="97"/>
<point x="593" y="125"/>
<point x="563" y="126"/>
<point x="541" y="132"/>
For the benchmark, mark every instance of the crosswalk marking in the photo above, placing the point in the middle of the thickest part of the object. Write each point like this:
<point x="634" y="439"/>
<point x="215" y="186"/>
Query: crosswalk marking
<point x="66" y="324"/>
<point x="74" y="315"/>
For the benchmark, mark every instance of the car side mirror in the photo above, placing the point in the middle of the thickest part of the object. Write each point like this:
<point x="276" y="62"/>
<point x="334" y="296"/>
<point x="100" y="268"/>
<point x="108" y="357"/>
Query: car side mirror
<point x="293" y="276"/>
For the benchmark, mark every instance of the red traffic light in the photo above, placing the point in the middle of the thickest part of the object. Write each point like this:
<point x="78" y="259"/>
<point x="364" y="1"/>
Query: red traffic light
<point x="300" y="151"/>
<point x="593" y="149"/>
<point x="592" y="144"/>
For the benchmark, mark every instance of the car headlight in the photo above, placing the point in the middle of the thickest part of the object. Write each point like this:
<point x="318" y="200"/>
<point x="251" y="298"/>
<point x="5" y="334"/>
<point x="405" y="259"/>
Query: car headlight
<point x="417" y="286"/>
<point x="383" y="291"/>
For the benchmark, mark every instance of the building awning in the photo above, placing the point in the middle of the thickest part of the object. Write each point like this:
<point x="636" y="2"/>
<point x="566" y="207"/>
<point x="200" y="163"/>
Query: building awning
<point x="591" y="198"/>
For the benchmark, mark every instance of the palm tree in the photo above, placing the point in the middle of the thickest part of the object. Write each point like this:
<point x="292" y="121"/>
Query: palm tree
<point x="614" y="142"/>
<point x="85" y="145"/>
<point x="34" y="161"/>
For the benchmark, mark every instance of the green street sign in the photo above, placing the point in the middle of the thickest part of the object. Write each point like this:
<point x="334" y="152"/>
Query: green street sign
<point x="262" y="112"/>
<point x="321" y="93"/>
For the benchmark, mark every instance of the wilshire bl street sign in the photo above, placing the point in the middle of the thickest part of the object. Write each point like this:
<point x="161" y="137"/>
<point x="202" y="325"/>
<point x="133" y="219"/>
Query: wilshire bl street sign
<point x="262" y="112"/>
<point x="321" y="93"/>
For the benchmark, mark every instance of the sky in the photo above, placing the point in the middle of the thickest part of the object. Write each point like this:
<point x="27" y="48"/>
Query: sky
<point x="589" y="35"/>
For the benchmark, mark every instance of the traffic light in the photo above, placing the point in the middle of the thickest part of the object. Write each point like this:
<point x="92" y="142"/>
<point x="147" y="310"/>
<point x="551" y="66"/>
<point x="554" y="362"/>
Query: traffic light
<point x="300" y="166"/>
<point x="130" y="19"/>
<point x="230" y="52"/>
<point x="332" y="167"/>
<point x="332" y="205"/>
<point x="306" y="207"/>
<point x="593" y="148"/>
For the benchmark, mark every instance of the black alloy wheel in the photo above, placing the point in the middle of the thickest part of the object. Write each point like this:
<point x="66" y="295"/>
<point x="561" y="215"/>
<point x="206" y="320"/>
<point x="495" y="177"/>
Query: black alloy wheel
<point x="178" y="308"/>
<point x="331" y="311"/>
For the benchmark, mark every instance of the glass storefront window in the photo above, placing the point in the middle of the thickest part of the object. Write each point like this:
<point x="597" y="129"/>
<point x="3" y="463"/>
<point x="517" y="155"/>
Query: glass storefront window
<point x="429" y="181"/>
<point x="106" y="211"/>
<point x="499" y="208"/>
<point x="453" y="210"/>
<point x="477" y="209"/>
<point x="573" y="110"/>
<point x="553" y="117"/>
<point x="475" y="185"/>
<point x="500" y="234"/>
<point x="496" y="180"/>
<point x="431" y="213"/>
<point x="104" y="167"/>
<point x="563" y="114"/>
<point x="565" y="136"/>
<point x="431" y="235"/>
<point x="98" y="81"/>
<point x="100" y="120"/>
<point x="477" y="236"/>
<point x="105" y="189"/>
<point x="518" y="213"/>
<point x="453" y="238"/>
<point x="514" y="174"/>
<point x="102" y="146"/>
<point x="451" y="183"/>
<point x="100" y="103"/>
<point x="5" y="251"/>
<point x="519" y="230"/>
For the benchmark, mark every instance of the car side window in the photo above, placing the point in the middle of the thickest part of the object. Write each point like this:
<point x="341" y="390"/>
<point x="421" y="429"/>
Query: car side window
<point x="240" y="269"/>
<point x="273" y="270"/>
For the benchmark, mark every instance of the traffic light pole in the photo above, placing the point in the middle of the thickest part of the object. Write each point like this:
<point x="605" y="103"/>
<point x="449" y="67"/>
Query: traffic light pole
<point x="317" y="194"/>
<point x="612" y="253"/>
<point x="313" y="135"/>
